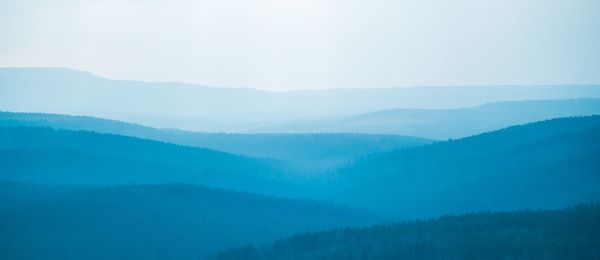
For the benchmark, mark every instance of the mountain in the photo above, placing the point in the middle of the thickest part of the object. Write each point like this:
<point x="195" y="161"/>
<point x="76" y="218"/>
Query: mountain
<point x="48" y="156"/>
<point x="546" y="164"/>
<point x="444" y="124"/>
<point x="174" y="221"/>
<point x="303" y="153"/>
<point x="195" y="107"/>
<point x="551" y="234"/>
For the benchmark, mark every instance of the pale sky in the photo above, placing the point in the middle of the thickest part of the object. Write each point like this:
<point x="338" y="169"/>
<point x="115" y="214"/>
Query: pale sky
<point x="307" y="44"/>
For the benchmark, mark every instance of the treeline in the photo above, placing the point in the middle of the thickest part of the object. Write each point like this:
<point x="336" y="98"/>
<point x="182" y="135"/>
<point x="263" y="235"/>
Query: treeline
<point x="572" y="233"/>
<point x="169" y="221"/>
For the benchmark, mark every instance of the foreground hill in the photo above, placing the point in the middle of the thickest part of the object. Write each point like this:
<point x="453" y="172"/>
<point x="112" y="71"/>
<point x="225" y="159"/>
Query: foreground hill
<point x="195" y="107"/>
<point x="552" y="234"/>
<point x="546" y="164"/>
<point x="47" y="156"/>
<point x="150" y="221"/>
<point x="446" y="123"/>
<point x="305" y="153"/>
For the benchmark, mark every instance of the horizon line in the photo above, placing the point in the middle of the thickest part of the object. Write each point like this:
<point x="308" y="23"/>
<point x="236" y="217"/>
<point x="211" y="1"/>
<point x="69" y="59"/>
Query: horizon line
<point x="253" y="88"/>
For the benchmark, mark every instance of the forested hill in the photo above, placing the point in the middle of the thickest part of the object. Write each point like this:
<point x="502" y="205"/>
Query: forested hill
<point x="571" y="233"/>
<point x="171" y="221"/>
<point x="305" y="153"/>
<point x="44" y="155"/>
<point x="539" y="165"/>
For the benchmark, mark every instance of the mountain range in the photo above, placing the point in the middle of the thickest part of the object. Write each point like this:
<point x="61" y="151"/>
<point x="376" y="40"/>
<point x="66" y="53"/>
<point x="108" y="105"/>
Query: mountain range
<point x="201" y="108"/>
<point x="442" y="124"/>
<point x="94" y="168"/>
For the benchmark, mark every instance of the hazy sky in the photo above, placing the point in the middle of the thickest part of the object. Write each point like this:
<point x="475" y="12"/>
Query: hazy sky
<point x="281" y="45"/>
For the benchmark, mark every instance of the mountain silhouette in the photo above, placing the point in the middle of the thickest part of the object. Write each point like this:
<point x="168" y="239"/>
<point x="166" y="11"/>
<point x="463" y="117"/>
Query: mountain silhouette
<point x="444" y="124"/>
<point x="196" y="107"/>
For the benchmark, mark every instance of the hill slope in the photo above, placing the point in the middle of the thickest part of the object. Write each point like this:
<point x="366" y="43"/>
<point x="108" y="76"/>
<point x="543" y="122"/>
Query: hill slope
<point x="305" y="153"/>
<point x="557" y="234"/>
<point x="445" y="123"/>
<point x="540" y="165"/>
<point x="44" y="155"/>
<point x="150" y="221"/>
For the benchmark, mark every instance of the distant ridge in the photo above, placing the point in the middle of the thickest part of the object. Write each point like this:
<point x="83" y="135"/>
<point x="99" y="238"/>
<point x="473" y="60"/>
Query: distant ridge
<point x="195" y="107"/>
<point x="443" y="124"/>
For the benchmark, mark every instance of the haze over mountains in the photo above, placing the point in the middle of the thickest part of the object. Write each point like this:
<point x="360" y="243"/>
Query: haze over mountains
<point x="506" y="169"/>
<point x="194" y="107"/>
<point x="444" y="124"/>
<point x="300" y="130"/>
<point x="77" y="183"/>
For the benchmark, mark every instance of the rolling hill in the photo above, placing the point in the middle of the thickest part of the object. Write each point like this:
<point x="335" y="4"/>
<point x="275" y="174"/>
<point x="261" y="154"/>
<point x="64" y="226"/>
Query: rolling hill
<point x="570" y="233"/>
<point x="174" y="221"/>
<point x="546" y="164"/>
<point x="303" y="153"/>
<point x="445" y="124"/>
<point x="48" y="156"/>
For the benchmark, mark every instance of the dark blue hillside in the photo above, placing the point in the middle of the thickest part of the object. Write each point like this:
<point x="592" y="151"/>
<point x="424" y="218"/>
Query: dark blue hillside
<point x="44" y="155"/>
<point x="539" y="165"/>
<point x="173" y="221"/>
<point x="570" y="233"/>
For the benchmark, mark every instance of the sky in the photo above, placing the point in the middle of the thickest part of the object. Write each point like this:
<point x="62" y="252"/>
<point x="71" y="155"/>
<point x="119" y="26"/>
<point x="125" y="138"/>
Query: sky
<point x="309" y="44"/>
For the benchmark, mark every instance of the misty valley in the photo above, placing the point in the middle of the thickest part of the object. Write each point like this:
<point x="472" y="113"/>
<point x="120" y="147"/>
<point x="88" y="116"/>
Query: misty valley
<point x="176" y="171"/>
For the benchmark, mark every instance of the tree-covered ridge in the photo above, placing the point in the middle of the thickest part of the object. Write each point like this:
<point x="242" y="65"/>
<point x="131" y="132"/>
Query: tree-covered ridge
<point x="571" y="233"/>
<point x="545" y="164"/>
<point x="301" y="153"/>
<point x="44" y="155"/>
<point x="169" y="221"/>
